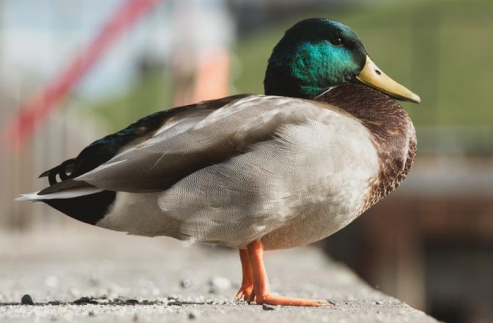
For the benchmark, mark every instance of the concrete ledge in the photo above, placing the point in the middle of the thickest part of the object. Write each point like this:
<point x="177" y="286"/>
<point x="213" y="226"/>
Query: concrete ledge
<point x="134" y="279"/>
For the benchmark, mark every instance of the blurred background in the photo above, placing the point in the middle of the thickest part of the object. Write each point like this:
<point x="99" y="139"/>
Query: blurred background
<point x="72" y="71"/>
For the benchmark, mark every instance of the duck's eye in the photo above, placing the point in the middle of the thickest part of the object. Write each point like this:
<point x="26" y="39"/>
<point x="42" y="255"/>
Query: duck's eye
<point x="336" y="41"/>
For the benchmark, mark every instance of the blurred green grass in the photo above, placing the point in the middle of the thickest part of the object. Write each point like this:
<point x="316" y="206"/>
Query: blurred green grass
<point x="439" y="49"/>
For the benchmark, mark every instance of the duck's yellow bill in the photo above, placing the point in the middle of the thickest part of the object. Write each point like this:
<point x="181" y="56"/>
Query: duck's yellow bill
<point x="372" y="76"/>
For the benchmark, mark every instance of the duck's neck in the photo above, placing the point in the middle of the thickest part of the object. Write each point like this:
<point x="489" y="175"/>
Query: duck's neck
<point x="391" y="129"/>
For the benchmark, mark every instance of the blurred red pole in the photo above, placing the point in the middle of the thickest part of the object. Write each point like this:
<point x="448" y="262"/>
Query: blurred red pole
<point x="22" y="126"/>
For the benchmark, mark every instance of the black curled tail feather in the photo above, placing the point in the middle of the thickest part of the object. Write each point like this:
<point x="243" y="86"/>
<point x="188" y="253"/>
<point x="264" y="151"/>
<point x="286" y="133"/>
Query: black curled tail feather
<point x="64" y="170"/>
<point x="86" y="208"/>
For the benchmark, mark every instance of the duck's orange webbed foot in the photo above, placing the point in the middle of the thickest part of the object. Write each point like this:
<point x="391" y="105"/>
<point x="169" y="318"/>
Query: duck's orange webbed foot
<point x="261" y="288"/>
<point x="246" y="294"/>
<point x="290" y="301"/>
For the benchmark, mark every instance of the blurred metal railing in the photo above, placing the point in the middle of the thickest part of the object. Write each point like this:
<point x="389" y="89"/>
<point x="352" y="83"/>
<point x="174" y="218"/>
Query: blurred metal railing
<point x="65" y="135"/>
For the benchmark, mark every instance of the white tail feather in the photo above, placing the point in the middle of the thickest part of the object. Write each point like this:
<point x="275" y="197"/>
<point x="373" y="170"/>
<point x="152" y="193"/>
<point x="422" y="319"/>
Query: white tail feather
<point x="59" y="195"/>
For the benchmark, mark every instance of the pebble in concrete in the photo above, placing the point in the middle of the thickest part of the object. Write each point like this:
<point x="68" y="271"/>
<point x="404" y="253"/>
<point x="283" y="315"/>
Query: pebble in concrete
<point x="27" y="300"/>
<point x="219" y="283"/>
<point x="267" y="307"/>
<point x="192" y="315"/>
<point x="186" y="283"/>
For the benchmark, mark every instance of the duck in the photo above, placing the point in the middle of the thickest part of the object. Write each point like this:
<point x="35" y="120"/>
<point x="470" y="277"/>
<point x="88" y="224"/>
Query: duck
<point x="253" y="172"/>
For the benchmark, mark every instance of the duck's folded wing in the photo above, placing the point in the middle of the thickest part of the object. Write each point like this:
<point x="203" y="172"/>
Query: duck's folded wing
<point x="169" y="156"/>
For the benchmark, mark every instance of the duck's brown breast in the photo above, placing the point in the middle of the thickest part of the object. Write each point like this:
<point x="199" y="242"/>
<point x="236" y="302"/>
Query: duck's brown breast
<point x="391" y="129"/>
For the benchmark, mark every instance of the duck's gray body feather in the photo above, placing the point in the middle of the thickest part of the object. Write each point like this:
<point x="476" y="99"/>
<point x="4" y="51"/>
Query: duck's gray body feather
<point x="285" y="171"/>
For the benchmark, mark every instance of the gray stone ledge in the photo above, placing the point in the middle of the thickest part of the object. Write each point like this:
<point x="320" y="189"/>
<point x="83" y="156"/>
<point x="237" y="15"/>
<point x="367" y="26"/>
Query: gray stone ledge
<point x="135" y="279"/>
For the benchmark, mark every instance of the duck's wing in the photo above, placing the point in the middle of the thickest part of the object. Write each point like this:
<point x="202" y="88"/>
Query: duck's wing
<point x="100" y="151"/>
<point x="177" y="150"/>
<point x="103" y="149"/>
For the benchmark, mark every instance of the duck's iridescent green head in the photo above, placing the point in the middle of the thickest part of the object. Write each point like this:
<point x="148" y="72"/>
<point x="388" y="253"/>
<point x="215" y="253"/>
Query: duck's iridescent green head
<point x="317" y="54"/>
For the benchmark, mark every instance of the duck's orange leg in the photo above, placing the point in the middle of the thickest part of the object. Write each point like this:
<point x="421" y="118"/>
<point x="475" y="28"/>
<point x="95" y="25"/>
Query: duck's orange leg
<point x="261" y="286"/>
<point x="246" y="289"/>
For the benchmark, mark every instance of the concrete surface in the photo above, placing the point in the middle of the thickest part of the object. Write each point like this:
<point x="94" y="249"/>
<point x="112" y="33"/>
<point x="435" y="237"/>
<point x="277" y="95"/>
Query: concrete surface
<point x="135" y="279"/>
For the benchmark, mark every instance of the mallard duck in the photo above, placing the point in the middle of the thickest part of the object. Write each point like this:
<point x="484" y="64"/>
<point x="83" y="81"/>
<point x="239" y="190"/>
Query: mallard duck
<point x="253" y="172"/>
